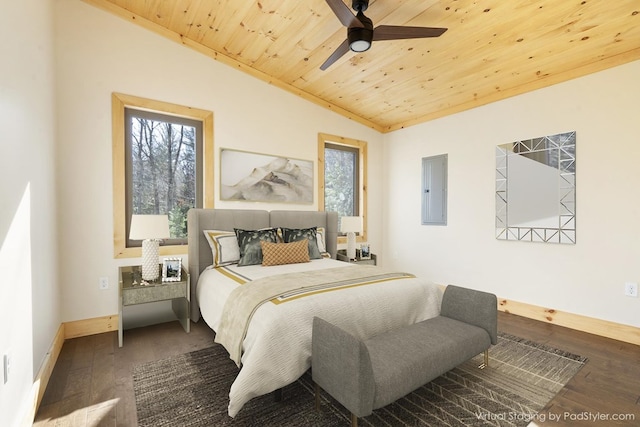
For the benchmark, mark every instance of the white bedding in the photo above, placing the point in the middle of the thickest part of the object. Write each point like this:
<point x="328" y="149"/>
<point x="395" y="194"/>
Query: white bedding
<point x="277" y="347"/>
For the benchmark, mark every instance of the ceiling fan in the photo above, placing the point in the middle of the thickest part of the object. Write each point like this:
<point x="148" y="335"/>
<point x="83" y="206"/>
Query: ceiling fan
<point x="360" y="31"/>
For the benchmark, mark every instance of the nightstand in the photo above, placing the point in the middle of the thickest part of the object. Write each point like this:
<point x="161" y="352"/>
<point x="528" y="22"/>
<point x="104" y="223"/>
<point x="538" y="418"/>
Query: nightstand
<point x="130" y="294"/>
<point x="341" y="255"/>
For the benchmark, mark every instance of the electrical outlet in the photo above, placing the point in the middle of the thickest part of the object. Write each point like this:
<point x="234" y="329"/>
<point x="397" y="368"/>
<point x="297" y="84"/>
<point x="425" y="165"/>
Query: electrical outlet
<point x="104" y="283"/>
<point x="631" y="289"/>
<point x="6" y="362"/>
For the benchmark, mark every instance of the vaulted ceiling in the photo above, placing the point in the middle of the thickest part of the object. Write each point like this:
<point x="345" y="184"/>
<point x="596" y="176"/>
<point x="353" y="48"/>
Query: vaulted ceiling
<point x="493" y="49"/>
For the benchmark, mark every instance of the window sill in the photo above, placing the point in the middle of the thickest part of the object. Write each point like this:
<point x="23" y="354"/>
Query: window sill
<point x="163" y="251"/>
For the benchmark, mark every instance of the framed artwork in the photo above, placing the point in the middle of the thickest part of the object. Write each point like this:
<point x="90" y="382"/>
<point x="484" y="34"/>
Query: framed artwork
<point x="255" y="177"/>
<point x="365" y="251"/>
<point x="172" y="270"/>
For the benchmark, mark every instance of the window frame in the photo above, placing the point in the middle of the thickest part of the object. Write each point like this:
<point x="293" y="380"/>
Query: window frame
<point x="118" y="104"/>
<point x="361" y="147"/>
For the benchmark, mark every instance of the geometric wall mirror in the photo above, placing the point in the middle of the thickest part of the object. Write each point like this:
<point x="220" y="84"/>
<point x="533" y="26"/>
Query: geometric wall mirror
<point x="536" y="189"/>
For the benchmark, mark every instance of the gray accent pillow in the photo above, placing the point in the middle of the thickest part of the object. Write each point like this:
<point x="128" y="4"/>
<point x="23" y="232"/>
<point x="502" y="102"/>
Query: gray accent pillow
<point x="249" y="244"/>
<point x="296" y="234"/>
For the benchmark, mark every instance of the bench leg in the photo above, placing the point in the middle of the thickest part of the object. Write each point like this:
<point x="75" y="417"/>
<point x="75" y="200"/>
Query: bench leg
<point x="486" y="360"/>
<point x="354" y="420"/>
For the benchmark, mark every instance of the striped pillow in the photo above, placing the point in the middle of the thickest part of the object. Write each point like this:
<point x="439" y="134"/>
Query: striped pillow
<point x="284" y="253"/>
<point x="224" y="247"/>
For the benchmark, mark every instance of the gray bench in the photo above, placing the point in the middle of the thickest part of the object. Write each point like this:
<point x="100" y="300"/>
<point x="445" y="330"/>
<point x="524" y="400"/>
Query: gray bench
<point x="367" y="375"/>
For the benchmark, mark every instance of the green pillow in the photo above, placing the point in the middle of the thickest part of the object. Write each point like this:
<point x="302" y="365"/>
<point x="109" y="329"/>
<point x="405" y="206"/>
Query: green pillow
<point x="249" y="244"/>
<point x="295" y="234"/>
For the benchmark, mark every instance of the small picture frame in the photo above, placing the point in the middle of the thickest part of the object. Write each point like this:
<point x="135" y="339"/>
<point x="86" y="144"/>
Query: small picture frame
<point x="365" y="251"/>
<point x="172" y="270"/>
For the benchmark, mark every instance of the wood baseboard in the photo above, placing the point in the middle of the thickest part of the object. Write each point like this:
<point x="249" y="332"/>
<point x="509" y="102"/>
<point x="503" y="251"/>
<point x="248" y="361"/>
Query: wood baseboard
<point x="605" y="328"/>
<point x="591" y="325"/>
<point x="44" y="375"/>
<point x="97" y="325"/>
<point x="67" y="330"/>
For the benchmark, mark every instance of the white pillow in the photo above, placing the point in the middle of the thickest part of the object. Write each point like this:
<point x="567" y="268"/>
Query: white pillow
<point x="224" y="247"/>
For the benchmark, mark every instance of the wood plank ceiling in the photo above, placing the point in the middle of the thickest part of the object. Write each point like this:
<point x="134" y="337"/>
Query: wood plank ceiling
<point x="493" y="49"/>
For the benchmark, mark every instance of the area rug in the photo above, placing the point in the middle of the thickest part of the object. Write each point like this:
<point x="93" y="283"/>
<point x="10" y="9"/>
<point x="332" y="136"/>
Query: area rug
<point x="192" y="390"/>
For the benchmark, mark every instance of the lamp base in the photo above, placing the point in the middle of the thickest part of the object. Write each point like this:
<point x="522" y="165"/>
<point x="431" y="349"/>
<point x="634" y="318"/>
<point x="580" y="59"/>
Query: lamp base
<point x="150" y="269"/>
<point x="351" y="245"/>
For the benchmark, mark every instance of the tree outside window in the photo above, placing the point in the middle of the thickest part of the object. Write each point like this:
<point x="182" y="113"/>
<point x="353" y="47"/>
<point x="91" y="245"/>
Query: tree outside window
<point x="341" y="170"/>
<point x="163" y="165"/>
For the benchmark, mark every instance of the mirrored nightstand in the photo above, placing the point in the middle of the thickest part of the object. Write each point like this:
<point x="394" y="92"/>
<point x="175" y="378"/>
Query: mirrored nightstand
<point x="342" y="256"/>
<point x="131" y="292"/>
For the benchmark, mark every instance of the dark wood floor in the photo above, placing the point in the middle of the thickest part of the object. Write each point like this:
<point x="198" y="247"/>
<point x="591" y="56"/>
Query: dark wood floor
<point x="92" y="385"/>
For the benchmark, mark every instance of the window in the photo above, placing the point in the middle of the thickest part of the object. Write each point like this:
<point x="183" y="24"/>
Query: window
<point x="159" y="167"/>
<point x="343" y="175"/>
<point x="163" y="169"/>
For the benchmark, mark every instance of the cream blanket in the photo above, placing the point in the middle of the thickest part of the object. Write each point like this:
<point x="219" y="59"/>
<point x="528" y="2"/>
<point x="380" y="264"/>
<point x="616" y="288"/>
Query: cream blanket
<point x="276" y="350"/>
<point x="245" y="300"/>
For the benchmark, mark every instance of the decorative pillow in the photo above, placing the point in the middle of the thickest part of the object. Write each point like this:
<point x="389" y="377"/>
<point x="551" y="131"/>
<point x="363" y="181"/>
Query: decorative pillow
<point x="309" y="234"/>
<point x="249" y="244"/>
<point x="284" y="253"/>
<point x="322" y="245"/>
<point x="224" y="247"/>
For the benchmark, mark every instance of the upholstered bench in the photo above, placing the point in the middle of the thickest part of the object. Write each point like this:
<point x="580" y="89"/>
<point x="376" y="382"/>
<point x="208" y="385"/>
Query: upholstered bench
<point x="364" y="375"/>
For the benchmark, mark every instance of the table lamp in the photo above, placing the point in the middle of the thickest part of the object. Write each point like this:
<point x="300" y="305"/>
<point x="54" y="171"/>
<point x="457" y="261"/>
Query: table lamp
<point x="150" y="229"/>
<point x="351" y="225"/>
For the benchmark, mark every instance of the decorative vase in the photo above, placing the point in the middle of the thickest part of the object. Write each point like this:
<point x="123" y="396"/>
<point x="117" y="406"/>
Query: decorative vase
<point x="351" y="245"/>
<point x="150" y="269"/>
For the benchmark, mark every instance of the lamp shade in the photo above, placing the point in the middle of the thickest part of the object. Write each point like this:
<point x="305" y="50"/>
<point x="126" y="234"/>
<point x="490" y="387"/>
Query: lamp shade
<point x="351" y="224"/>
<point x="149" y="227"/>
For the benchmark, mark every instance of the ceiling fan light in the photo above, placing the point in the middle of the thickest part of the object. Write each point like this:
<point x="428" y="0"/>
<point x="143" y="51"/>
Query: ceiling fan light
<point x="359" y="45"/>
<point x="360" y="38"/>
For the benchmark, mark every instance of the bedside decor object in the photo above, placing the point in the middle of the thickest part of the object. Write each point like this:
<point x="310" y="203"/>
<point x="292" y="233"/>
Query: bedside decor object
<point x="172" y="269"/>
<point x="365" y="251"/>
<point x="351" y="225"/>
<point x="341" y="255"/>
<point x="150" y="229"/>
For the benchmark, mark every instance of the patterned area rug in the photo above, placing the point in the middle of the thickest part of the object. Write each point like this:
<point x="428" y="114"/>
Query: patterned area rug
<point x="192" y="390"/>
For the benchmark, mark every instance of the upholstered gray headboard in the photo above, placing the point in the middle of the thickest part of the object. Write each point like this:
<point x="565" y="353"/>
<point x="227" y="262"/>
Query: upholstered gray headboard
<point x="200" y="256"/>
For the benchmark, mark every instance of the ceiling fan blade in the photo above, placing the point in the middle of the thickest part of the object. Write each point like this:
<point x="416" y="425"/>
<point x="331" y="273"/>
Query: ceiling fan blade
<point x="398" y="32"/>
<point x="337" y="54"/>
<point x="344" y="14"/>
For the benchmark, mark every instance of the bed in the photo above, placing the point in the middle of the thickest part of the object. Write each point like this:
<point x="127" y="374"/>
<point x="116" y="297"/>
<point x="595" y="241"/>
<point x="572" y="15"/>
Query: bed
<point x="263" y="314"/>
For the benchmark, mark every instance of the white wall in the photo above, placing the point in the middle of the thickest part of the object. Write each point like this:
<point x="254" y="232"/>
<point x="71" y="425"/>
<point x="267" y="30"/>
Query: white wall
<point x="586" y="278"/>
<point x="29" y="294"/>
<point x="98" y="54"/>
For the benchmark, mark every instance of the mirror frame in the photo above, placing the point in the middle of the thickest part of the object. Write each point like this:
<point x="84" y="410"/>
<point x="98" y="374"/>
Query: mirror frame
<point x="562" y="149"/>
